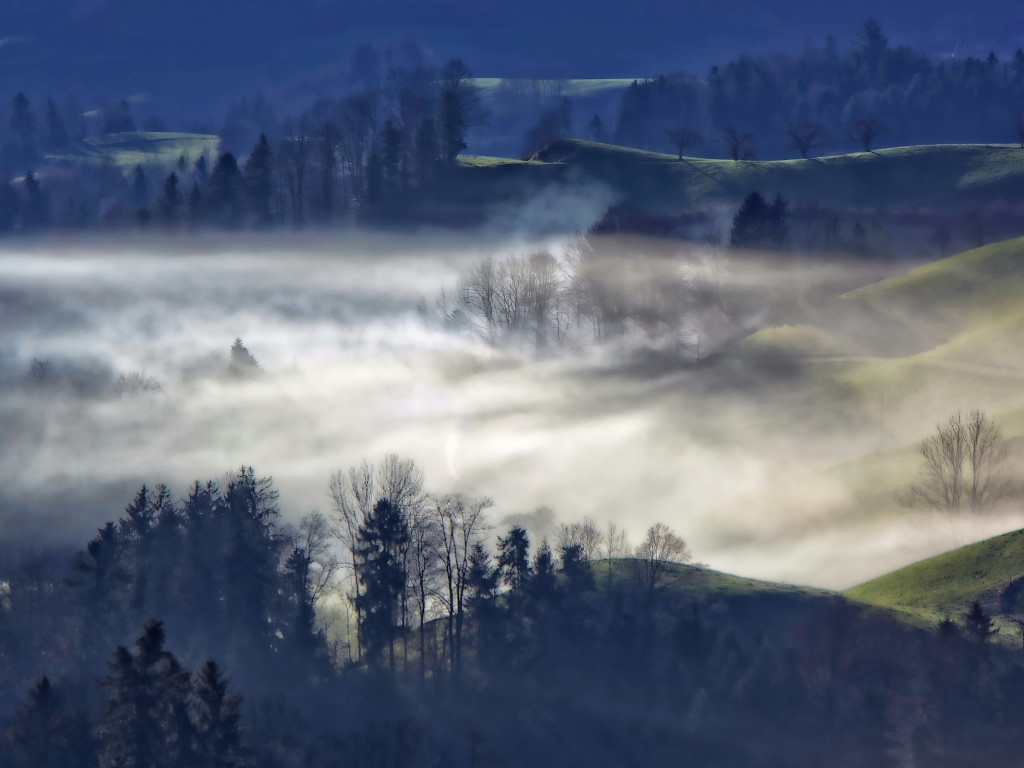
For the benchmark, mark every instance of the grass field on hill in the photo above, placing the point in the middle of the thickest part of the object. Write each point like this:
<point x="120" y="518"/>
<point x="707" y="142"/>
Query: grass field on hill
<point x="900" y="176"/>
<point x="944" y="585"/>
<point x="127" y="150"/>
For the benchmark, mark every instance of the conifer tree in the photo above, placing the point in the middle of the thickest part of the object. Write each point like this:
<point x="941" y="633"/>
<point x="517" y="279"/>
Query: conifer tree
<point x="259" y="182"/>
<point x="216" y="715"/>
<point x="380" y="567"/>
<point x="169" y="205"/>
<point x="138" y="728"/>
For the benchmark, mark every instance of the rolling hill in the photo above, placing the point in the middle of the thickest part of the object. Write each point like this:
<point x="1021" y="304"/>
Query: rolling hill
<point x="932" y="175"/>
<point x="127" y="150"/>
<point x="990" y="571"/>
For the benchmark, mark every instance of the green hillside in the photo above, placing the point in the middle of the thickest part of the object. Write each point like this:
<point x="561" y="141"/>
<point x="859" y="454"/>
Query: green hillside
<point x="884" y="364"/>
<point x="127" y="150"/>
<point x="944" y="585"/>
<point x="919" y="175"/>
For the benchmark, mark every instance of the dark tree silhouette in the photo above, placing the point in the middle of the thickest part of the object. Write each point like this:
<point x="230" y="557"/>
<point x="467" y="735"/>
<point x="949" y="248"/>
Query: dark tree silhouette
<point x="139" y="727"/>
<point x="514" y="558"/>
<point x="216" y="714"/>
<point x="140" y="187"/>
<point x="737" y="145"/>
<point x="759" y="225"/>
<point x="1018" y="129"/>
<point x="864" y="130"/>
<point x="380" y="567"/>
<point x="978" y="625"/>
<point x="259" y="182"/>
<point x="169" y="205"/>
<point x="48" y="733"/>
<point x="596" y="130"/>
<point x="458" y="108"/>
<point x="225" y="198"/>
<point x="805" y="135"/>
<point x="682" y="138"/>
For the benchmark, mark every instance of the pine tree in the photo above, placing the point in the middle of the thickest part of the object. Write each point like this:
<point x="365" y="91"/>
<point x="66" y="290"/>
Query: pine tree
<point x="140" y="187"/>
<point x="452" y="120"/>
<point x="259" y="182"/>
<point x="380" y="568"/>
<point x="242" y="365"/>
<point x="139" y="727"/>
<point x="514" y="558"/>
<point x="542" y="584"/>
<point x="48" y="733"/>
<point x="225" y="199"/>
<point x="216" y="714"/>
<point x="169" y="205"/>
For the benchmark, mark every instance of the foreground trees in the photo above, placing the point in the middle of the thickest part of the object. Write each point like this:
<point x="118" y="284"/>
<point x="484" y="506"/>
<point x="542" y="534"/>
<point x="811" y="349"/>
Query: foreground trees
<point x="545" y="657"/>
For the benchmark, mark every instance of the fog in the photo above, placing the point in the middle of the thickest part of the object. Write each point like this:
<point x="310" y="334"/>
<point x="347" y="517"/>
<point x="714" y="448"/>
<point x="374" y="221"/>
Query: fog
<point x="355" y="368"/>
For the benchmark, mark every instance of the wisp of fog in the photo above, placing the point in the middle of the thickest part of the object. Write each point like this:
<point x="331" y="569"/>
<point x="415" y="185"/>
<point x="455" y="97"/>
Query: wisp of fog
<point x="356" y="365"/>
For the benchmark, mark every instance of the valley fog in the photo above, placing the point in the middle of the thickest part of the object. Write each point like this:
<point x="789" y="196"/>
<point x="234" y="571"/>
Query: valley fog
<point x="356" y="365"/>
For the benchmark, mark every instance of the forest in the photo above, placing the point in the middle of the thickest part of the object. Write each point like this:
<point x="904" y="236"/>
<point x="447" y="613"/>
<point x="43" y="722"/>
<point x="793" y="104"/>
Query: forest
<point x="191" y="631"/>
<point x="387" y="143"/>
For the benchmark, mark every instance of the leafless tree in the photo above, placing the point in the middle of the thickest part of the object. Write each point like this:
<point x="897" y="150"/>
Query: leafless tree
<point x="1018" y="129"/>
<point x="424" y="571"/>
<point x="353" y="495"/>
<point x="963" y="466"/>
<point x="479" y="294"/>
<point x="805" y="135"/>
<point x="293" y="157"/>
<point x="660" y="547"/>
<point x="460" y="522"/>
<point x="135" y="384"/>
<point x="864" y="130"/>
<point x="614" y="546"/>
<point x="313" y="539"/>
<point x="682" y="138"/>
<point x="737" y="145"/>
<point x="585" y="535"/>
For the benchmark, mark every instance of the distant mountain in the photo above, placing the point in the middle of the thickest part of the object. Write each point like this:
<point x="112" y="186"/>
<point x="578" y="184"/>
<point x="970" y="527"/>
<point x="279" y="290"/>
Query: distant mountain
<point x="192" y="55"/>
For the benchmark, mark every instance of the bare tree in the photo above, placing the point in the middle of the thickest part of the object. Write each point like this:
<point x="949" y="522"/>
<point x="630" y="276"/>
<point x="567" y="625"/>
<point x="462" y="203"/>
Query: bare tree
<point x="614" y="546"/>
<point x="963" y="463"/>
<point x="353" y="496"/>
<point x="460" y="522"/>
<point x="682" y="138"/>
<point x="479" y="294"/>
<point x="424" y="571"/>
<point x="864" y="130"/>
<point x="805" y="135"/>
<point x="1018" y="129"/>
<point x="313" y="539"/>
<point x="585" y="535"/>
<point x="660" y="546"/>
<point x="737" y="145"/>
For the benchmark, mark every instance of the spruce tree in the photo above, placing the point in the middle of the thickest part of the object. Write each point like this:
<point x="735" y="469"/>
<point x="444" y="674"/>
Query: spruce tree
<point x="259" y="182"/>
<point x="216" y="716"/>
<point x="380" y="567"/>
<point x="138" y="728"/>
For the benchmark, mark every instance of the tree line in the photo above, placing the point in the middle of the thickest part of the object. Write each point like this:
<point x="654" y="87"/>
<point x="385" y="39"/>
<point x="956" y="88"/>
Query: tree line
<point x="462" y="656"/>
<point x="357" y="156"/>
<point x="825" y="97"/>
